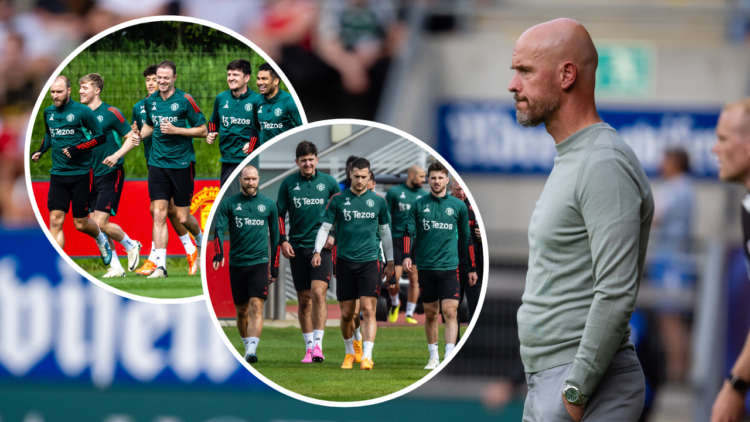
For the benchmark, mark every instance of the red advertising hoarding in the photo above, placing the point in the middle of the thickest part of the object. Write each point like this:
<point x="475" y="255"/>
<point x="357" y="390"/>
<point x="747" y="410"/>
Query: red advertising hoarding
<point x="219" y="288"/>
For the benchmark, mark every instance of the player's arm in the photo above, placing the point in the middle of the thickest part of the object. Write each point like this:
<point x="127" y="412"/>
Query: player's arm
<point x="98" y="137"/>
<point x="46" y="144"/>
<point x="221" y="226"/>
<point x="465" y="245"/>
<point x="196" y="119"/>
<point x="329" y="217"/>
<point x="730" y="403"/>
<point x="294" y="115"/>
<point x="409" y="235"/>
<point x="335" y="189"/>
<point x="282" y="205"/>
<point x="273" y="226"/>
<point x="213" y="124"/>
<point x="123" y="130"/>
<point x="384" y="224"/>
<point x="610" y="203"/>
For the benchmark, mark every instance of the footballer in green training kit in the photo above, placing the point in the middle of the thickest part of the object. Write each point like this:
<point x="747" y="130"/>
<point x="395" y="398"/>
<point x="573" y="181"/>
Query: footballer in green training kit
<point x="277" y="111"/>
<point x="251" y="219"/>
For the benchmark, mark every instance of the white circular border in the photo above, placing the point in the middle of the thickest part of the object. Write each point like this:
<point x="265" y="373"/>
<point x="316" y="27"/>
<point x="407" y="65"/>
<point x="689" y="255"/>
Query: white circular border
<point x="60" y="68"/>
<point x="427" y="376"/>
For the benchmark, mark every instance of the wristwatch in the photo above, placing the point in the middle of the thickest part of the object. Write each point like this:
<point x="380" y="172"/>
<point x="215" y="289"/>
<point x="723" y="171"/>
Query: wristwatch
<point x="738" y="384"/>
<point x="573" y="395"/>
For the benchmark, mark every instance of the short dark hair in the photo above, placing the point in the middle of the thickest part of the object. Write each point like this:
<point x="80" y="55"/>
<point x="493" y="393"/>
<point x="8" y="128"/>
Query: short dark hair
<point x="680" y="157"/>
<point x="168" y="64"/>
<point x="438" y="166"/>
<point x="306" y="148"/>
<point x="372" y="176"/>
<point x="150" y="70"/>
<point x="265" y="67"/>
<point x="241" y="65"/>
<point x="361" y="163"/>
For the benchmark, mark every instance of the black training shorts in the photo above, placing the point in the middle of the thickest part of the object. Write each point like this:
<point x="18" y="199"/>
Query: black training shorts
<point x="356" y="279"/>
<point x="168" y="184"/>
<point x="303" y="272"/>
<point x="248" y="281"/>
<point x="66" y="189"/>
<point x="438" y="284"/>
<point x="398" y="252"/>
<point x="106" y="191"/>
<point x="226" y="171"/>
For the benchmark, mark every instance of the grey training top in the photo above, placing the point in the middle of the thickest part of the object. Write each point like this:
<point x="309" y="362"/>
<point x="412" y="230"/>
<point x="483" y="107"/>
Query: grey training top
<point x="587" y="244"/>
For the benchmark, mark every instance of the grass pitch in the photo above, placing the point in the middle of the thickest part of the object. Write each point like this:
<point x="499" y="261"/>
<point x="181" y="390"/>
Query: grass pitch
<point x="399" y="355"/>
<point x="177" y="285"/>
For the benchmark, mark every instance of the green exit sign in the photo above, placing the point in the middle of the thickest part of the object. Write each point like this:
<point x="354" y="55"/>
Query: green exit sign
<point x="625" y="70"/>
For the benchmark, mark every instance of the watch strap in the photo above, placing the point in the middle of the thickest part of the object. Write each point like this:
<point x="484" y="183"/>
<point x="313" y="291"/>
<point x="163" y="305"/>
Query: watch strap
<point x="739" y="384"/>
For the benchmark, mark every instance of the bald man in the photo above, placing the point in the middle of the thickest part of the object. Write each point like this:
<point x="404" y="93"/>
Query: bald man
<point x="587" y="239"/>
<point x="732" y="149"/>
<point x="400" y="199"/>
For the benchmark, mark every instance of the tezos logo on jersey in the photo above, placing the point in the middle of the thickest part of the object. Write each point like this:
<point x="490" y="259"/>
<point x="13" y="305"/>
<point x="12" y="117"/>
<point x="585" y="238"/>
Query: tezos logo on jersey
<point x="175" y="106"/>
<point x="267" y="125"/>
<point x="100" y="118"/>
<point x="277" y="112"/>
<point x="161" y="119"/>
<point x="404" y="207"/>
<point x="261" y="207"/>
<point x="226" y="121"/>
<point x="70" y="117"/>
<point x="61" y="132"/>
<point x="321" y="186"/>
<point x="348" y="215"/>
<point x="240" y="221"/>
<point x="427" y="224"/>
<point x="248" y="107"/>
<point x="449" y="211"/>
<point x="370" y="203"/>
<point x="298" y="202"/>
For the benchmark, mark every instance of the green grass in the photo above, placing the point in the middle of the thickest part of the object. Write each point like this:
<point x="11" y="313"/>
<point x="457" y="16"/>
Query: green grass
<point x="399" y="355"/>
<point x="178" y="285"/>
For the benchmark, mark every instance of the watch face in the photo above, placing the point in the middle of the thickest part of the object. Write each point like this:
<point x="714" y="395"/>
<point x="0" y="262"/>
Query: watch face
<point x="571" y="394"/>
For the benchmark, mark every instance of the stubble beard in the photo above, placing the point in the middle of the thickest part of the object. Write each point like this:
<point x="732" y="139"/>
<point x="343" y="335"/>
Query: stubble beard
<point x="538" y="112"/>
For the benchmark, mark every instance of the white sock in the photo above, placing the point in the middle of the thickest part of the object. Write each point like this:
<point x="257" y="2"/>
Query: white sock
<point x="349" y="345"/>
<point x="308" y="340"/>
<point x="367" y="349"/>
<point x="127" y="243"/>
<point x="433" y="351"/>
<point x="395" y="300"/>
<point x="115" y="263"/>
<point x="358" y="334"/>
<point x="152" y="254"/>
<point x="199" y="239"/>
<point x="187" y="242"/>
<point x="448" y="350"/>
<point x="161" y="258"/>
<point x="251" y="343"/>
<point x="410" y="307"/>
<point x="318" y="336"/>
<point x="101" y="239"/>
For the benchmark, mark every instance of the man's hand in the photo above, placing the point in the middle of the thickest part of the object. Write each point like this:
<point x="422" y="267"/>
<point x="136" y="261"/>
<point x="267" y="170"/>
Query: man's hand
<point x="35" y="156"/>
<point x="574" y="410"/>
<point x="729" y="405"/>
<point x="406" y="264"/>
<point x="216" y="264"/>
<point x="168" y="128"/>
<point x="110" y="161"/>
<point x="389" y="270"/>
<point x="246" y="148"/>
<point x="211" y="137"/>
<point x="287" y="250"/>
<point x="316" y="260"/>
<point x="271" y="280"/>
<point x="478" y="233"/>
<point x="329" y="243"/>
<point x="135" y="138"/>
<point x="473" y="278"/>
<point x="66" y="153"/>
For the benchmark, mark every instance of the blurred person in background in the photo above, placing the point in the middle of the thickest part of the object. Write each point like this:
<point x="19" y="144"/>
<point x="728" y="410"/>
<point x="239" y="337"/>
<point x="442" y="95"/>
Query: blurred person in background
<point x="471" y="292"/>
<point x="347" y="183"/>
<point x="732" y="149"/>
<point x="671" y="268"/>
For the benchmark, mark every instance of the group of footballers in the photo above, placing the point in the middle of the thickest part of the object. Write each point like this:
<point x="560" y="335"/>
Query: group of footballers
<point x="348" y="234"/>
<point x="87" y="154"/>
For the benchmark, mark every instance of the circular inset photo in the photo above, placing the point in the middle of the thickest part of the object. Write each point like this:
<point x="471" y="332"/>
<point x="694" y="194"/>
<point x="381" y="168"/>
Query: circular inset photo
<point x="132" y="139"/>
<point x="343" y="266"/>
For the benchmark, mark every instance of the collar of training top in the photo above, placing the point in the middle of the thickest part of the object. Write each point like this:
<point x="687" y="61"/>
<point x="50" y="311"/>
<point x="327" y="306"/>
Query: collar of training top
<point x="573" y="139"/>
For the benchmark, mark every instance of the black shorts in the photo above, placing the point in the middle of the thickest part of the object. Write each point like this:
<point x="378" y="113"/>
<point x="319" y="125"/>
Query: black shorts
<point x="226" y="171"/>
<point x="357" y="279"/>
<point x="168" y="184"/>
<point x="66" y="189"/>
<point x="247" y="282"/>
<point x="398" y="252"/>
<point x="106" y="191"/>
<point x="439" y="285"/>
<point x="303" y="272"/>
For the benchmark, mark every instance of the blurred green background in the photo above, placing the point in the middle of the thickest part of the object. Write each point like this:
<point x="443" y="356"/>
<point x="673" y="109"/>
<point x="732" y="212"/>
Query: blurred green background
<point x="201" y="54"/>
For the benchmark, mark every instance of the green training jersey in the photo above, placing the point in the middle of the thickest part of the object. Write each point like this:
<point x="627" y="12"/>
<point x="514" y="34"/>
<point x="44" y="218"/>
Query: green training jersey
<point x="139" y="118"/>
<point x="277" y="115"/>
<point x="440" y="230"/>
<point x="180" y="109"/>
<point x="114" y="127"/>
<point x="357" y="219"/>
<point x="305" y="200"/>
<point x="66" y="126"/>
<point x="251" y="221"/>
<point x="400" y="199"/>
<point x="234" y="118"/>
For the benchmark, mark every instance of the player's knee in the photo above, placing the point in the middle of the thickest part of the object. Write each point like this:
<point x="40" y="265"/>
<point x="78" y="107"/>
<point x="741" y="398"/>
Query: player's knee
<point x="80" y="223"/>
<point x="449" y="313"/>
<point x="183" y="219"/>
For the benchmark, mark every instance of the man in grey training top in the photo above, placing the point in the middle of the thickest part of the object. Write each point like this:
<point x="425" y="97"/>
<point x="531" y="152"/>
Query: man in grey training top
<point x="587" y="239"/>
